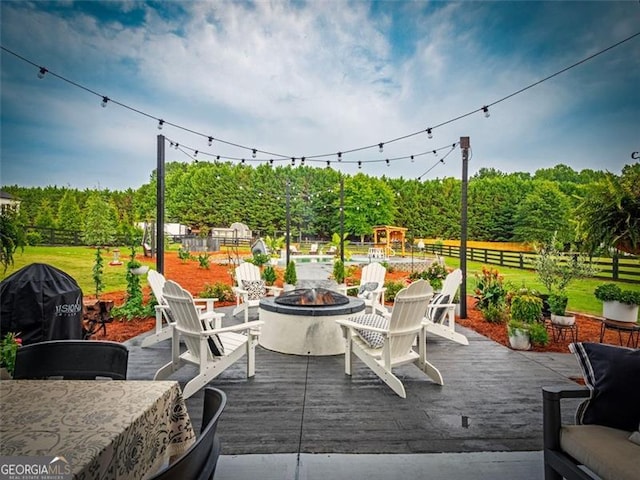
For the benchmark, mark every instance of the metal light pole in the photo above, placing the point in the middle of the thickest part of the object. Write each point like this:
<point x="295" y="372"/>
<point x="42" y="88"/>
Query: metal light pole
<point x="464" y="146"/>
<point x="342" y="219"/>
<point x="288" y="213"/>
<point x="160" y="205"/>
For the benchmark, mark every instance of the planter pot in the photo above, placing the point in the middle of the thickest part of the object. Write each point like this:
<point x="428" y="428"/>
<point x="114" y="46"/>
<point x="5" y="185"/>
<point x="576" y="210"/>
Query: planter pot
<point x="622" y="312"/>
<point x="563" y="320"/>
<point x="4" y="374"/>
<point x="287" y="287"/>
<point x="139" y="270"/>
<point x="519" y="340"/>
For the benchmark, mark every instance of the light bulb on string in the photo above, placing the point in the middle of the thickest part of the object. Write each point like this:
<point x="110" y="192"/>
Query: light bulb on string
<point x="253" y="153"/>
<point x="177" y="145"/>
<point x="381" y="147"/>
<point x="429" y="133"/>
<point x="160" y="124"/>
<point x="302" y="161"/>
<point x="293" y="161"/>
<point x="435" y="153"/>
<point x="388" y="163"/>
<point x="328" y="164"/>
<point x="242" y="162"/>
<point x="42" y="72"/>
<point x="271" y="162"/>
<point x="485" y="109"/>
<point x="339" y="156"/>
<point x="195" y="154"/>
<point x="104" y="101"/>
<point x="411" y="158"/>
<point x="210" y="142"/>
<point x="359" y="164"/>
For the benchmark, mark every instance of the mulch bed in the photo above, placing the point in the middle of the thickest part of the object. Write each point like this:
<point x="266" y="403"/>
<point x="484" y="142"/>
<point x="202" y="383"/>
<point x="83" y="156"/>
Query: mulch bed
<point x="195" y="279"/>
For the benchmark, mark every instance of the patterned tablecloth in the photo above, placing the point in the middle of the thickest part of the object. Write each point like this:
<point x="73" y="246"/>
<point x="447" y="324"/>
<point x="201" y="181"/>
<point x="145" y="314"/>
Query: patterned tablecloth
<point x="103" y="429"/>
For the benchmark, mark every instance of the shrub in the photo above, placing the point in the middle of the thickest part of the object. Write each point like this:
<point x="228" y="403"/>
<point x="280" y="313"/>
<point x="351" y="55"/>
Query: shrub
<point x="338" y="271"/>
<point x="33" y="238"/>
<point x="526" y="308"/>
<point x="183" y="254"/>
<point x="610" y="292"/>
<point x="290" y="275"/>
<point x="392" y="289"/>
<point x="495" y="313"/>
<point x="219" y="290"/>
<point x="259" y="259"/>
<point x="490" y="289"/>
<point x="97" y="272"/>
<point x="203" y="260"/>
<point x="538" y="333"/>
<point x="435" y="273"/>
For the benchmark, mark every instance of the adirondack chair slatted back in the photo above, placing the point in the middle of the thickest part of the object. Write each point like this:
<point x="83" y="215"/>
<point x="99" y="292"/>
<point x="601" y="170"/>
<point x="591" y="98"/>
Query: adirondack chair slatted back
<point x="156" y="281"/>
<point x="247" y="271"/>
<point x="406" y="317"/>
<point x="451" y="283"/>
<point x="186" y="315"/>
<point x="374" y="272"/>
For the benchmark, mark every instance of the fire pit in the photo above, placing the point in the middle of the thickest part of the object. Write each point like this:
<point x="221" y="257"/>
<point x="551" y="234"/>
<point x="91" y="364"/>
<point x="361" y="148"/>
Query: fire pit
<point x="302" y="322"/>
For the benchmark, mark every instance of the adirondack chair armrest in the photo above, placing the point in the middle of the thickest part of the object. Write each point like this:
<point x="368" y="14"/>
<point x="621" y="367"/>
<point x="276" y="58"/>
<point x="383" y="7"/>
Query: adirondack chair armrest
<point x="240" y="291"/>
<point x="209" y="303"/>
<point x="358" y="326"/>
<point x="234" y="328"/>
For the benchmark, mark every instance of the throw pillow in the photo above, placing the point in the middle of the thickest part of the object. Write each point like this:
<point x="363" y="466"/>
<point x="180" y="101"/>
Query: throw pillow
<point x="373" y="339"/>
<point x="611" y="374"/>
<point x="436" y="313"/>
<point x="255" y="289"/>
<point x="366" y="290"/>
<point x="216" y="346"/>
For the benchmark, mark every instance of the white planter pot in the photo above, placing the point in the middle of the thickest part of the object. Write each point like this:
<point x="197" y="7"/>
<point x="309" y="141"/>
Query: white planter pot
<point x="287" y="287"/>
<point x="140" y="270"/>
<point x="622" y="312"/>
<point x="563" y="320"/>
<point x="519" y="340"/>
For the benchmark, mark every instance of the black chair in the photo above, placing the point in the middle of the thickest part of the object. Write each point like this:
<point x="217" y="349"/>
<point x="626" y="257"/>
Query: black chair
<point x="72" y="360"/>
<point x="200" y="460"/>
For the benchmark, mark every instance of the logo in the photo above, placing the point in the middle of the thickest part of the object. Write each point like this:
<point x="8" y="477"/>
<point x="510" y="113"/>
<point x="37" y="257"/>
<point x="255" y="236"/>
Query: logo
<point x="635" y="155"/>
<point x="35" y="468"/>
<point x="68" y="309"/>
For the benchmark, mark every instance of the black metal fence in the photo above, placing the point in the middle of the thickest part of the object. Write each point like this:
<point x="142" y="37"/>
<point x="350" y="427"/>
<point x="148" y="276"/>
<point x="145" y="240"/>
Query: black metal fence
<point x="623" y="268"/>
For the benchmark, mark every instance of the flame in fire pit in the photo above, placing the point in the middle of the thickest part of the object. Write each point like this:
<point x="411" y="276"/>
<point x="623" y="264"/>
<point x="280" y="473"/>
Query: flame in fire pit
<point x="312" y="297"/>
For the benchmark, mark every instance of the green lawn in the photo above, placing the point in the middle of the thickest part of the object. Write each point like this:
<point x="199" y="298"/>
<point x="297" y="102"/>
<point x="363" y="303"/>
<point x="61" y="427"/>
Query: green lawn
<point x="78" y="262"/>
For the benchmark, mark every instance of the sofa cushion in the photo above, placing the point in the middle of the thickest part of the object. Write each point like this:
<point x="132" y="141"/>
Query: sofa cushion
<point x="605" y="451"/>
<point x="611" y="374"/>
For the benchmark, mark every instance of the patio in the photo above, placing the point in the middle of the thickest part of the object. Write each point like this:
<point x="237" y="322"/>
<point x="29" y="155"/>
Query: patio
<point x="302" y="417"/>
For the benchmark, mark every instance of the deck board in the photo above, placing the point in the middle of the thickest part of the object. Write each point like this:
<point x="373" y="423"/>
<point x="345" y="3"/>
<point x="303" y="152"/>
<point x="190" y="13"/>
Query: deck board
<point x="491" y="400"/>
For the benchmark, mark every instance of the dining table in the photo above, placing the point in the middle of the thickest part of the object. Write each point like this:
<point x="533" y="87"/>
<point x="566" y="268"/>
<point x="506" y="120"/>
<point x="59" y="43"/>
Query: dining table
<point x="97" y="429"/>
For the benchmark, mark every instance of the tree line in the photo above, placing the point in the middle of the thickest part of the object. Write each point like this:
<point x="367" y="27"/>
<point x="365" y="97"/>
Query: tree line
<point x="513" y="207"/>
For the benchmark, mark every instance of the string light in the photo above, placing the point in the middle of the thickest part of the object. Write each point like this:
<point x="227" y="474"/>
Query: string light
<point x="271" y="162"/>
<point x="42" y="71"/>
<point x="302" y="161"/>
<point x="359" y="164"/>
<point x="195" y="154"/>
<point x="387" y="160"/>
<point x="210" y="141"/>
<point x="429" y="133"/>
<point x="293" y="161"/>
<point x="412" y="159"/>
<point x="339" y="156"/>
<point x="104" y="102"/>
<point x="253" y="153"/>
<point x="328" y="164"/>
<point x="381" y="147"/>
<point x="177" y="145"/>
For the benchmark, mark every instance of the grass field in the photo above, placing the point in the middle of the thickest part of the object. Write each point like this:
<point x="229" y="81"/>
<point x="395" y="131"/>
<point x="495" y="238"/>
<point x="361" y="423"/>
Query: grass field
<point x="78" y="262"/>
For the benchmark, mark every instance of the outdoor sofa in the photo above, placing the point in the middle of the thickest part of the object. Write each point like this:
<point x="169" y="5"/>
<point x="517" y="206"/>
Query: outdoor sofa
<point x="605" y="437"/>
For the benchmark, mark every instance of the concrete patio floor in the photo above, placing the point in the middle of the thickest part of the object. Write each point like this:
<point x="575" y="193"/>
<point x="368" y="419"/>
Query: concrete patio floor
<point x="303" y="418"/>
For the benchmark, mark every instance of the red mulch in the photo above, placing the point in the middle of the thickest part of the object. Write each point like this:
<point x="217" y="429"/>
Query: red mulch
<point x="194" y="279"/>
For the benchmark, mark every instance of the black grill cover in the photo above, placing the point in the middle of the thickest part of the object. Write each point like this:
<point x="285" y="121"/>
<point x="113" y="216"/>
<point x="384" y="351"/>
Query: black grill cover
<point x="41" y="303"/>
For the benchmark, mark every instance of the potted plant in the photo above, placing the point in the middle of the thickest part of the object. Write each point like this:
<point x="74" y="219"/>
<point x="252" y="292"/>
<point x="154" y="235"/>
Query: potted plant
<point x="618" y="304"/>
<point x="558" y="306"/>
<point x="338" y="271"/>
<point x="290" y="276"/>
<point x="274" y="244"/>
<point x="525" y="327"/>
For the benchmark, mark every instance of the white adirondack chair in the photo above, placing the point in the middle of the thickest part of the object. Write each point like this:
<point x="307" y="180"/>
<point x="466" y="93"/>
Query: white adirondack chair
<point x="245" y="299"/>
<point x="373" y="273"/>
<point x="440" y="318"/>
<point x="235" y="341"/>
<point x="164" y="323"/>
<point x="404" y="326"/>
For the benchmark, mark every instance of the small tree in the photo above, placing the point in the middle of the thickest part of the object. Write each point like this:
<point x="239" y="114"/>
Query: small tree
<point x="11" y="237"/>
<point x="338" y="271"/>
<point x="290" y="275"/>
<point x="97" y="272"/>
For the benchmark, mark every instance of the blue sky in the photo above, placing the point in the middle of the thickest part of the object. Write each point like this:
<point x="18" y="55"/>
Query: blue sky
<point x="310" y="78"/>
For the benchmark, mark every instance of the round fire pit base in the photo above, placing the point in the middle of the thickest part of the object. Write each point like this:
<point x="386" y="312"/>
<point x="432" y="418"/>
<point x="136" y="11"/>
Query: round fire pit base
<point x="304" y="330"/>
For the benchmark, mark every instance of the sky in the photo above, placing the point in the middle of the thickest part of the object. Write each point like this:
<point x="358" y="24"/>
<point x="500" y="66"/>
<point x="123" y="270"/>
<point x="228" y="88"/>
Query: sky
<point x="311" y="79"/>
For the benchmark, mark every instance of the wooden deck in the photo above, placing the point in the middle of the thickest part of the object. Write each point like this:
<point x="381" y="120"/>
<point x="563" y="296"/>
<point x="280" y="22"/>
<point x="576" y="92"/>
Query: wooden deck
<point x="491" y="400"/>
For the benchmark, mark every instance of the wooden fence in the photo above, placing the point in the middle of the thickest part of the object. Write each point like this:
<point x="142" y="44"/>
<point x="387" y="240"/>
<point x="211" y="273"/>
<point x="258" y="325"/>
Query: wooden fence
<point x="623" y="268"/>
